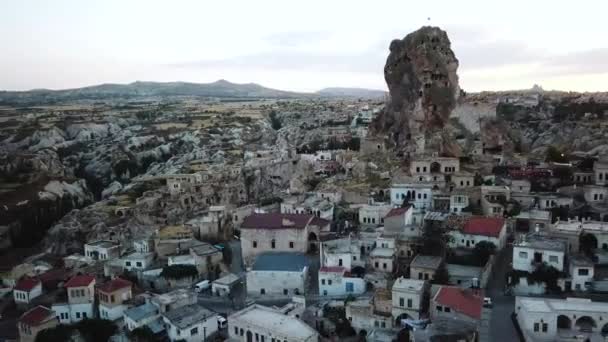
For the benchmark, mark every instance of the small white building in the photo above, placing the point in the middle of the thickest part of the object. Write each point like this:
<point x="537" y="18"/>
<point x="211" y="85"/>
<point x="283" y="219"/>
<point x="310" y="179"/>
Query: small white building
<point x="223" y="286"/>
<point x="145" y="245"/>
<point x="278" y="274"/>
<point x="137" y="261"/>
<point x="81" y="300"/>
<point x="423" y="267"/>
<point x="536" y="249"/>
<point x="477" y="229"/>
<point x="260" y="323"/>
<point x="600" y="170"/>
<point x="340" y="253"/>
<point x="141" y="315"/>
<point x="27" y="289"/>
<point x="582" y="271"/>
<point x="407" y="297"/>
<point x="113" y="296"/>
<point x="552" y="319"/>
<point x="373" y="214"/>
<point x="102" y="250"/>
<point x="595" y="193"/>
<point x="190" y="323"/>
<point x="336" y="281"/>
<point x="382" y="259"/>
<point x="398" y="219"/>
<point x="420" y="195"/>
<point x="458" y="202"/>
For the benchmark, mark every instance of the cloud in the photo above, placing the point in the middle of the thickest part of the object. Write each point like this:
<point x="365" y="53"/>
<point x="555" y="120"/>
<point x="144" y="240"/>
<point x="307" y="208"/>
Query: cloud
<point x="593" y="61"/>
<point x="299" y="38"/>
<point x="367" y="61"/>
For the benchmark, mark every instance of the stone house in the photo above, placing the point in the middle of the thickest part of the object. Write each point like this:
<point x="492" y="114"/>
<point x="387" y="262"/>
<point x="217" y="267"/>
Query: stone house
<point x="457" y="303"/>
<point x="112" y="297"/>
<point x="81" y="300"/>
<point x="535" y="249"/>
<point x="190" y="323"/>
<point x="278" y="273"/>
<point x="26" y="290"/>
<point x="398" y="219"/>
<point x="102" y="250"/>
<point x="407" y="296"/>
<point x="477" y="229"/>
<point x="260" y="323"/>
<point x="295" y="233"/>
<point x="337" y="281"/>
<point x="423" y="267"/>
<point x="34" y="321"/>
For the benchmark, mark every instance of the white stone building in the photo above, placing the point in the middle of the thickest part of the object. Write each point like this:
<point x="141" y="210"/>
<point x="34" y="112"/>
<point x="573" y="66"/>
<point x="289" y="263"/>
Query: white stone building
<point x="81" y="298"/>
<point x="373" y="214"/>
<point x="600" y="170"/>
<point x="102" y="250"/>
<point x="340" y="253"/>
<point x="191" y="323"/>
<point x="26" y="290"/>
<point x="420" y="195"/>
<point x="407" y="297"/>
<point x="278" y="274"/>
<point x="536" y="249"/>
<point x="294" y="233"/>
<point x="477" y="229"/>
<point x="141" y="315"/>
<point x="561" y="320"/>
<point x="260" y="323"/>
<point x="337" y="281"/>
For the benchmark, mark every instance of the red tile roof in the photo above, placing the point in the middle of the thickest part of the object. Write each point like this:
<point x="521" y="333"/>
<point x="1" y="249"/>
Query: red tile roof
<point x="37" y="315"/>
<point x="332" y="269"/>
<point x="115" y="284"/>
<point x="80" y="280"/>
<point x="397" y="211"/>
<point x="467" y="302"/>
<point x="487" y="226"/>
<point x="27" y="284"/>
<point x="276" y="221"/>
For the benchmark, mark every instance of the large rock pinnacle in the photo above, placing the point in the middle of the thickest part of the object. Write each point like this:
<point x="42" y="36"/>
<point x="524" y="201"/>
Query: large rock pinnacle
<point x="420" y="72"/>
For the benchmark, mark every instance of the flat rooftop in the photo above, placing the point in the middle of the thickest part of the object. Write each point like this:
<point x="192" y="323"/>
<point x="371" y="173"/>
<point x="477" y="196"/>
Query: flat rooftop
<point x="426" y="261"/>
<point x="187" y="316"/>
<point x="280" y="261"/>
<point x="282" y="326"/>
<point x="103" y="244"/>
<point x="548" y="305"/>
<point x="537" y="241"/>
<point x="405" y="284"/>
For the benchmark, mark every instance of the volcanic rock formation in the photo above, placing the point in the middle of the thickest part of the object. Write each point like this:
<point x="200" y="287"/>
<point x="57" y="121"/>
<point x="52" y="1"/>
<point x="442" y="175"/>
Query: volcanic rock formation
<point x="420" y="72"/>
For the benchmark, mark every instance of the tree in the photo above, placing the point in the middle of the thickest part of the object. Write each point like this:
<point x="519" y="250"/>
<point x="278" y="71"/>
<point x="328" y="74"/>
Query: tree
<point x="142" y="334"/>
<point x="58" y="333"/>
<point x="96" y="330"/>
<point x="482" y="251"/>
<point x="227" y="254"/>
<point x="434" y="240"/>
<point x="588" y="244"/>
<point x="179" y="271"/>
<point x="546" y="274"/>
<point x="441" y="276"/>
<point x="555" y="155"/>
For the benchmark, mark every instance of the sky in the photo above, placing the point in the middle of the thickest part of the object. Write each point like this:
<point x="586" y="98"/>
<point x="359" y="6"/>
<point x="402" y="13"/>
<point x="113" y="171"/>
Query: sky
<point x="297" y="45"/>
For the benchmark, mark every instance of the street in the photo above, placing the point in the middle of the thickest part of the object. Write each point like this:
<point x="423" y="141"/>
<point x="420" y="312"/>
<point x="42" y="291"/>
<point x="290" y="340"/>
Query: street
<point x="501" y="326"/>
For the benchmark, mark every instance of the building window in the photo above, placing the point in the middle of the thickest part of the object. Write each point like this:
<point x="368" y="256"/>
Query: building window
<point x="285" y="291"/>
<point x="523" y="255"/>
<point x="328" y="281"/>
<point x="583" y="272"/>
<point x="553" y="258"/>
<point x="401" y="302"/>
<point x="545" y="327"/>
<point x="194" y="331"/>
<point x="272" y="244"/>
<point x="77" y="314"/>
<point x="291" y="244"/>
<point x="236" y="330"/>
<point x="439" y="308"/>
<point x="409" y="303"/>
<point x="255" y="244"/>
<point x="536" y="327"/>
<point x="376" y="264"/>
<point x="447" y="309"/>
<point x="322" y="281"/>
<point x="376" y="324"/>
<point x="384" y="265"/>
<point x="383" y="324"/>
<point x="128" y="263"/>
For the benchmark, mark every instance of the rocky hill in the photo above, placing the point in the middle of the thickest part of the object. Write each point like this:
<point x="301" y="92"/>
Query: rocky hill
<point x="420" y="73"/>
<point x="221" y="88"/>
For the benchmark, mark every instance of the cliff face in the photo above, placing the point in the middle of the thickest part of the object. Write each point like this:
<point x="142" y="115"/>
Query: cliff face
<point x="420" y="72"/>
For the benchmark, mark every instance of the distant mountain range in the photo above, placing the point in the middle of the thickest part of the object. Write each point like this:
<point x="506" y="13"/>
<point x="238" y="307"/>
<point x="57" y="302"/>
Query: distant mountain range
<point x="352" y="92"/>
<point x="220" y="89"/>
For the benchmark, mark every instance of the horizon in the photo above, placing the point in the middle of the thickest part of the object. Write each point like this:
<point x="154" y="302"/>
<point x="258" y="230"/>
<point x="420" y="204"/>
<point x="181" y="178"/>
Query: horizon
<point x="69" y="45"/>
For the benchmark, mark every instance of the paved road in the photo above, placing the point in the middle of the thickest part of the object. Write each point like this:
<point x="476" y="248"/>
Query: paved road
<point x="501" y="325"/>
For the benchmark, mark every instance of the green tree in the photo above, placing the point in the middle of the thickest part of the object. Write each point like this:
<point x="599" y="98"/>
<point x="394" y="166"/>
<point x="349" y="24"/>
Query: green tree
<point x="58" y="333"/>
<point x="482" y="251"/>
<point x="142" y="334"/>
<point x="587" y="244"/>
<point x="434" y="240"/>
<point x="546" y="274"/>
<point x="96" y="330"/>
<point x="555" y="155"/>
<point x="441" y="276"/>
<point x="179" y="271"/>
<point x="275" y="122"/>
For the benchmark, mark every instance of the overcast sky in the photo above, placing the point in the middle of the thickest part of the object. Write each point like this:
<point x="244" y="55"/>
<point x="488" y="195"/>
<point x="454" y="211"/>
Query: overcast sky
<point x="297" y="45"/>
